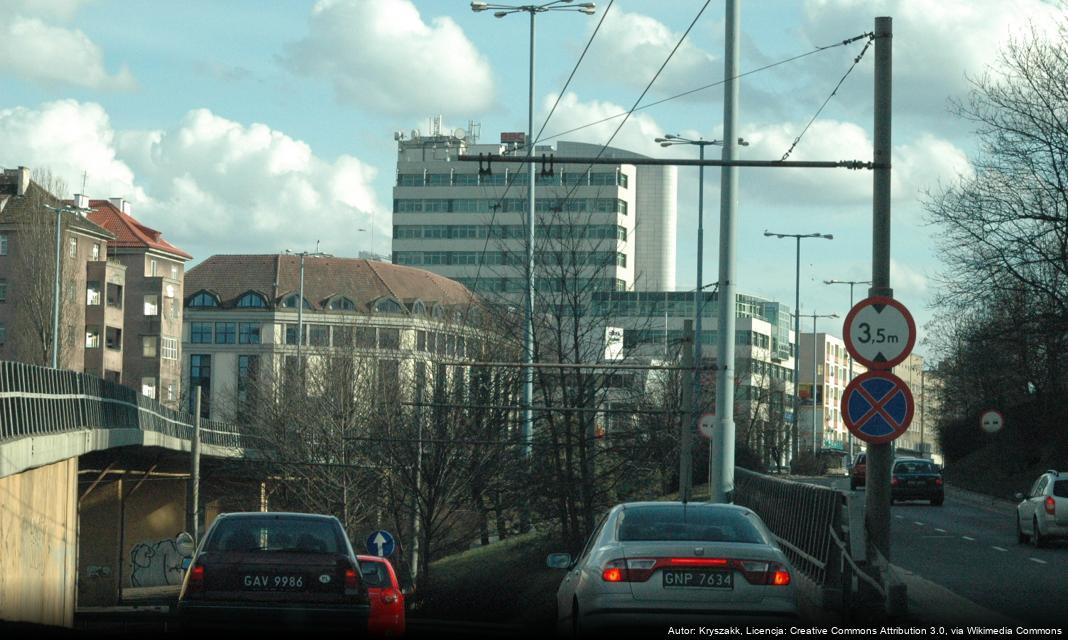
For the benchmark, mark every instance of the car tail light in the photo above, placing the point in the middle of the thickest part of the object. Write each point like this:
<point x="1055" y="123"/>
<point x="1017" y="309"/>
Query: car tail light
<point x="780" y="577"/>
<point x="894" y="481"/>
<point x="389" y="596"/>
<point x="352" y="584"/>
<point x="615" y="571"/>
<point x="1051" y="506"/>
<point x="938" y="482"/>
<point x="196" y="579"/>
<point x="757" y="572"/>
<point x="762" y="572"/>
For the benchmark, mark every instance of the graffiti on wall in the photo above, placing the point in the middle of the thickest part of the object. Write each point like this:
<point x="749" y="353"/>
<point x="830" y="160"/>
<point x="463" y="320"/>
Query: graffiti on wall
<point x="158" y="563"/>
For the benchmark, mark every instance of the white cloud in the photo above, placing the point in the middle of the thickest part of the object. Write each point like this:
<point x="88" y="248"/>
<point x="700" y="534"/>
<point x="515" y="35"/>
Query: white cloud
<point x="210" y="184"/>
<point x="58" y="9"/>
<point x="631" y="47"/>
<point x="636" y="135"/>
<point x="383" y="55"/>
<point x="907" y="282"/>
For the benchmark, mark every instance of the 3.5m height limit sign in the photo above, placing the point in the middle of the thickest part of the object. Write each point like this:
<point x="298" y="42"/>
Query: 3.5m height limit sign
<point x="879" y="332"/>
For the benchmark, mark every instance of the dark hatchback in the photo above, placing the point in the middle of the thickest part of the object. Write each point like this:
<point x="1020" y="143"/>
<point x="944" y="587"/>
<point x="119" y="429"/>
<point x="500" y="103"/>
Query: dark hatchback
<point x="275" y="570"/>
<point x="916" y="479"/>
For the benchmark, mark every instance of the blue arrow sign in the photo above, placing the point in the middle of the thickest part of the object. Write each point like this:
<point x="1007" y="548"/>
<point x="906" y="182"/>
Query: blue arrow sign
<point x="877" y="407"/>
<point x="381" y="543"/>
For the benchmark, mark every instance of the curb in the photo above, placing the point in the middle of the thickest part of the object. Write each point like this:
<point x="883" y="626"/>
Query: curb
<point x="980" y="499"/>
<point x="932" y="603"/>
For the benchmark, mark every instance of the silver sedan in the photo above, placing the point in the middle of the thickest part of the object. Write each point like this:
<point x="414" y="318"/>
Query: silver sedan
<point x="659" y="564"/>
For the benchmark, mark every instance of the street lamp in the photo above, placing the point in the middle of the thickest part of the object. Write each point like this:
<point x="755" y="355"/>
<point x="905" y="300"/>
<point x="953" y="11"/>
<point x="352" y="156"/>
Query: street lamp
<point x="797" y="311"/>
<point x="59" y="211"/>
<point x="300" y="303"/>
<point x="851" y="283"/>
<point x="372" y="234"/>
<point x="669" y="140"/>
<point x="503" y="10"/>
<point x="814" y="316"/>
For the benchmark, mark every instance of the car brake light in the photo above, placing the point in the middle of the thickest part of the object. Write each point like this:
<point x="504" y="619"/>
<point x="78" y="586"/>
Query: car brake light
<point x="614" y="571"/>
<point x="780" y="578"/>
<point x="700" y="562"/>
<point x="352" y="586"/>
<point x="1051" y="506"/>
<point x="894" y="481"/>
<point x="938" y="482"/>
<point x="196" y="579"/>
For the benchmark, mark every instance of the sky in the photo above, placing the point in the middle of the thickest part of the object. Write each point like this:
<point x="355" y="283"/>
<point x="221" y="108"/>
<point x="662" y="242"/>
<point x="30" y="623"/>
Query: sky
<point x="251" y="127"/>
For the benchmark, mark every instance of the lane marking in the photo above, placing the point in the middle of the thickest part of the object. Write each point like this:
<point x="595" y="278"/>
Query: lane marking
<point x="1038" y="561"/>
<point x="940" y="530"/>
<point x="998" y="548"/>
<point x="968" y="539"/>
<point x="917" y="523"/>
<point x="900" y="517"/>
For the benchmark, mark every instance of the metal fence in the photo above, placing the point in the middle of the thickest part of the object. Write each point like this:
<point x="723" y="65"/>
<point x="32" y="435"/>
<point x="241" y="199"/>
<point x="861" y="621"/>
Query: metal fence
<point x="37" y="400"/>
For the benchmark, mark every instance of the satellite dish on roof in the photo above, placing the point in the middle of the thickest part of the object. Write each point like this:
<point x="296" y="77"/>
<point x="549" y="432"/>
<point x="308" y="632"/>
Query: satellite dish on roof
<point x="459" y="133"/>
<point x="415" y="134"/>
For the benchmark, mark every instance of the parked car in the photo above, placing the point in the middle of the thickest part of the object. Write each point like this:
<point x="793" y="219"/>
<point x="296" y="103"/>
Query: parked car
<point x="858" y="473"/>
<point x="274" y="569"/>
<point x="1043" y="513"/>
<point x="916" y="479"/>
<point x="651" y="564"/>
<point x="387" y="599"/>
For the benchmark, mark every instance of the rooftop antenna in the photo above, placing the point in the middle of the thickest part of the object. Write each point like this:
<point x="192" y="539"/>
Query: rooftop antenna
<point x="85" y="174"/>
<point x="316" y="246"/>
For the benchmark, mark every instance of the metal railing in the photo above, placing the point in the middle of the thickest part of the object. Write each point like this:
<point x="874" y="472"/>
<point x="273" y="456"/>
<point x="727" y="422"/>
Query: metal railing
<point x="37" y="401"/>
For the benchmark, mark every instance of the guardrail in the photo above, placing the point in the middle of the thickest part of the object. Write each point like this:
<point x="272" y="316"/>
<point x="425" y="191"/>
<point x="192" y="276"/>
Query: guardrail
<point x="37" y="401"/>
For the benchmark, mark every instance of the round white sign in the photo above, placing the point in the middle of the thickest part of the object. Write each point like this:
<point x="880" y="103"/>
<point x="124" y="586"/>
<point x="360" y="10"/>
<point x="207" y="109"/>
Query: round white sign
<point x="706" y="424"/>
<point x="879" y="332"/>
<point x="991" y="421"/>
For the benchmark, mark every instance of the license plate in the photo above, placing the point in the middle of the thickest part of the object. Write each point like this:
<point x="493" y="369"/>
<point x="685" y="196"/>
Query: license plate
<point x="266" y="582"/>
<point x="917" y="483"/>
<point x="690" y="578"/>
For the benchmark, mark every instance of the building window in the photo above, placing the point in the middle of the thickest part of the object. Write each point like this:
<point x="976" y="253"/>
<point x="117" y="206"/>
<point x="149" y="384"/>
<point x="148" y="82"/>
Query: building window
<point x="152" y="267"/>
<point x="170" y="392"/>
<point x="96" y="251"/>
<point x="172" y="308"/>
<point x="92" y="338"/>
<point x="343" y="337"/>
<point x="200" y="376"/>
<point x="225" y="333"/>
<point x="73" y="248"/>
<point x="92" y="293"/>
<point x="148" y="387"/>
<point x="113" y="338"/>
<point x="152" y="305"/>
<point x="420" y="340"/>
<point x="291" y="334"/>
<point x="388" y="306"/>
<point x="319" y="335"/>
<point x="290" y="302"/>
<point x="389" y="339"/>
<point x="169" y="348"/>
<point x="204" y="299"/>
<point x="114" y="294"/>
<point x="174" y="272"/>
<point x="3" y="334"/>
<point x="149" y="347"/>
<point x="3" y="244"/>
<point x="247" y="370"/>
<point x="366" y="337"/>
<point x="200" y="332"/>
<point x="3" y="291"/>
<point x="252" y="301"/>
<point x="341" y="304"/>
<point x="249" y="333"/>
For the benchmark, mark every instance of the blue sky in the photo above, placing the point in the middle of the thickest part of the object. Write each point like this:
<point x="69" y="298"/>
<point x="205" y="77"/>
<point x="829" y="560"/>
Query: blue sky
<point x="244" y="126"/>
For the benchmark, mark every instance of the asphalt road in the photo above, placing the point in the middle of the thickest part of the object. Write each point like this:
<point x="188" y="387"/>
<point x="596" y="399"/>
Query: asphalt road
<point x="971" y="549"/>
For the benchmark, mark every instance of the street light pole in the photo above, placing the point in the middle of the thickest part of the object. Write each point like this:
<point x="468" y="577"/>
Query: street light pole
<point x="795" y="450"/>
<point x="851" y="283"/>
<point x="528" y="330"/>
<point x="300" y="303"/>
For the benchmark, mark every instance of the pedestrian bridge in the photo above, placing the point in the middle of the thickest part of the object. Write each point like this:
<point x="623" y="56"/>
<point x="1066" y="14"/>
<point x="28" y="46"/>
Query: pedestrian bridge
<point x="94" y="486"/>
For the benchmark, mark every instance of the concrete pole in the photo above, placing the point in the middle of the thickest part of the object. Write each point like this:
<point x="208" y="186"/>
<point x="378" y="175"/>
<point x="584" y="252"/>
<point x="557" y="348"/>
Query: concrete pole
<point x="55" y="290"/>
<point x="877" y="494"/>
<point x="300" y="317"/>
<point x="849" y="434"/>
<point x="797" y="350"/>
<point x="723" y="436"/>
<point x="687" y="422"/>
<point x="815" y="377"/>
<point x="528" y="329"/>
<point x="698" y="312"/>
<point x="195" y="475"/>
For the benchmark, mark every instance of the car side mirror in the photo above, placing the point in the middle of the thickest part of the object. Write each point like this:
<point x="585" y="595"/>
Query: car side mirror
<point x="185" y="544"/>
<point x="558" y="561"/>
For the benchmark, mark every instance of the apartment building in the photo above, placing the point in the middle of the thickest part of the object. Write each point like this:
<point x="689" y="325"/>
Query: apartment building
<point x="610" y="227"/>
<point x="832" y="376"/>
<point x="155" y="272"/>
<point x="92" y="289"/>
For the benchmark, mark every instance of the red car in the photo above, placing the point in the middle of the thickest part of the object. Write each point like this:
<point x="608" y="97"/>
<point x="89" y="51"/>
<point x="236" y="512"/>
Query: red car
<point x="387" y="600"/>
<point x="858" y="474"/>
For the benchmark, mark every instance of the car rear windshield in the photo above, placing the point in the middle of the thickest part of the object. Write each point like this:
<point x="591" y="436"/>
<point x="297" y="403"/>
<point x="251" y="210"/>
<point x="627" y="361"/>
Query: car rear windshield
<point x="920" y="466"/>
<point x="374" y="574"/>
<point x="293" y="534"/>
<point x="678" y="522"/>
<point x="1060" y="488"/>
<point x="860" y="459"/>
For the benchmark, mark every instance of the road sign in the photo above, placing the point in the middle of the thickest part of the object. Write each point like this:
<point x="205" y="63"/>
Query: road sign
<point x="706" y="424"/>
<point x="381" y="543"/>
<point x="879" y="332"/>
<point x="877" y="407"/>
<point x="992" y="421"/>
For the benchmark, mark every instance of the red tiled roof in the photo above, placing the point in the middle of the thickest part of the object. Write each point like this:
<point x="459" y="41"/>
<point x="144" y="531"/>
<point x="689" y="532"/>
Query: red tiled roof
<point x="128" y="230"/>
<point x="362" y="281"/>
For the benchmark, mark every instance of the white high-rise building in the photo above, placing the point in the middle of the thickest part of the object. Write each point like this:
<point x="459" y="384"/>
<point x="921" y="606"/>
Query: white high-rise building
<point x="611" y="225"/>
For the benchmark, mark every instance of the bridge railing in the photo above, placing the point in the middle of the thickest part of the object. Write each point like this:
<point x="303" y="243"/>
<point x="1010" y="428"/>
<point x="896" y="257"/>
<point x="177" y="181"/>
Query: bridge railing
<point x="37" y="400"/>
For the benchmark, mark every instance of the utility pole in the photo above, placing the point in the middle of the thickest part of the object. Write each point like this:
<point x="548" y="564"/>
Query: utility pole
<point x="195" y="472"/>
<point x="687" y="422"/>
<point x="877" y="494"/>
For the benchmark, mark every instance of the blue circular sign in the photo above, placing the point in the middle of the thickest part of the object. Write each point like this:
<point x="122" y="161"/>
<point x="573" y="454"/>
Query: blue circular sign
<point x="877" y="407"/>
<point x="381" y="543"/>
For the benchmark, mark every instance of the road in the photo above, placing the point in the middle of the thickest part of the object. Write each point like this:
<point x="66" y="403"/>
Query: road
<point x="971" y="549"/>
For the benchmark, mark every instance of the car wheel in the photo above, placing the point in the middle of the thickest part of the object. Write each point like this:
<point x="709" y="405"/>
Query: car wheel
<point x="1021" y="537"/>
<point x="852" y="485"/>
<point x="1036" y="535"/>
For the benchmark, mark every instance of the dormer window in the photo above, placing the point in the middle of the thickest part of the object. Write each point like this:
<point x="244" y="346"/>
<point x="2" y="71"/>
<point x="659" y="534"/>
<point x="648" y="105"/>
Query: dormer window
<point x="388" y="305"/>
<point x="202" y="300"/>
<point x="419" y="309"/>
<point x="290" y="302"/>
<point x="252" y="300"/>
<point x="439" y="312"/>
<point x="341" y="303"/>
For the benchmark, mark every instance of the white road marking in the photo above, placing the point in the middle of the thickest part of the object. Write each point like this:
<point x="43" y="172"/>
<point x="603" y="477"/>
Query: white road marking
<point x="900" y="517"/>
<point x="1038" y="561"/>
<point x="998" y="548"/>
<point x="917" y="523"/>
<point x="940" y="530"/>
<point x="969" y="539"/>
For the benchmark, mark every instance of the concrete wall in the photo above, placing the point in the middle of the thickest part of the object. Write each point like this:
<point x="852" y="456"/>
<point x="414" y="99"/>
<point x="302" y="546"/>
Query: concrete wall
<point x="38" y="520"/>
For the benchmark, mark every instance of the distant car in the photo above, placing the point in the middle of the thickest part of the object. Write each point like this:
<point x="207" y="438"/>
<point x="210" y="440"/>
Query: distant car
<point x="916" y="479"/>
<point x="858" y="474"/>
<point x="387" y="600"/>
<point x="650" y="564"/>
<point x="1043" y="513"/>
<point x="275" y="570"/>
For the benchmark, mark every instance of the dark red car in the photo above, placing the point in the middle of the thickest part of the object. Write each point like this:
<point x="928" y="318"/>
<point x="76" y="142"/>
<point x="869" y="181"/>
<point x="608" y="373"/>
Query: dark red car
<point x="858" y="474"/>
<point x="387" y="600"/>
